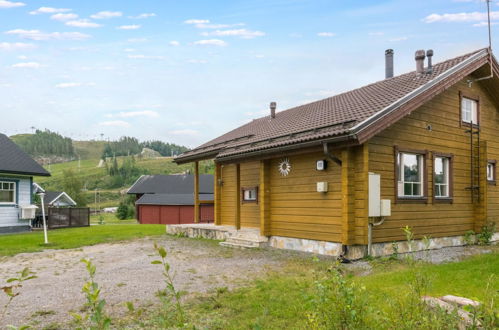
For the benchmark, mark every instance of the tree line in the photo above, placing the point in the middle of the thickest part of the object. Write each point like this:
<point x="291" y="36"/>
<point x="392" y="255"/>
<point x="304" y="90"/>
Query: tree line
<point x="46" y="143"/>
<point x="127" y="146"/>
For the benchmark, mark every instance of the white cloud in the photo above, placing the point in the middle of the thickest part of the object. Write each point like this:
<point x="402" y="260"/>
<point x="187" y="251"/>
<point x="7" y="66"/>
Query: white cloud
<point x="10" y="4"/>
<point x="74" y="84"/>
<point x="460" y="17"/>
<point x="64" y="17"/>
<point x="211" y="42"/>
<point x="10" y="46"/>
<point x="30" y="65"/>
<point x="133" y="114"/>
<point x="184" y="132"/>
<point x="193" y="61"/>
<point x="326" y="34"/>
<point x="174" y="43"/>
<point x="129" y="27"/>
<point x="242" y="33"/>
<point x="129" y="50"/>
<point x="376" y="33"/>
<point x="482" y="24"/>
<point x="145" y="57"/>
<point x="106" y="14"/>
<point x="197" y="21"/>
<point x="142" y="16"/>
<point x="38" y="35"/>
<point x="22" y="57"/>
<point x="83" y="23"/>
<point x="398" y="39"/>
<point x="49" y="10"/>
<point x="114" y="123"/>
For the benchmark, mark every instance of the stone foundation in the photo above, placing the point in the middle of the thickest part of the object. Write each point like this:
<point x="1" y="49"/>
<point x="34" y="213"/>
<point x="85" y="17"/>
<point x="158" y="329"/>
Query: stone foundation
<point x="219" y="233"/>
<point x="306" y="245"/>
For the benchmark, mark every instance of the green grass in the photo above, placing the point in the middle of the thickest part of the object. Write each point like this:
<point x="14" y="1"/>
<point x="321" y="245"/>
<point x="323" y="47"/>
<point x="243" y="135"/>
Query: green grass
<point x="281" y="300"/>
<point x="111" y="219"/>
<point x="75" y="237"/>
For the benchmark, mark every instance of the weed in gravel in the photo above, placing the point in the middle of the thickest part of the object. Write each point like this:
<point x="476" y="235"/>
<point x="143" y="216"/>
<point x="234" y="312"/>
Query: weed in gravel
<point x="43" y="312"/>
<point x="13" y="290"/>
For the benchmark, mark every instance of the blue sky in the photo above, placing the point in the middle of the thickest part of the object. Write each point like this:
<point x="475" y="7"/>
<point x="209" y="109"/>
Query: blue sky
<point x="188" y="71"/>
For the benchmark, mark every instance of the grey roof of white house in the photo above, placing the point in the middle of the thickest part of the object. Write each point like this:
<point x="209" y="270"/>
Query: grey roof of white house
<point x="171" y="199"/>
<point x="15" y="161"/>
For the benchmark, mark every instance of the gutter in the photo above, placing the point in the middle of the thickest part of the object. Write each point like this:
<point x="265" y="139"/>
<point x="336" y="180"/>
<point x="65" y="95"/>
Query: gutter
<point x="338" y="139"/>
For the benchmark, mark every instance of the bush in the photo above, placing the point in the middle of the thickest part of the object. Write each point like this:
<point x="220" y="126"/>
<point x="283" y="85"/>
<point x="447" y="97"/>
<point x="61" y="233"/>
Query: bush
<point x="125" y="211"/>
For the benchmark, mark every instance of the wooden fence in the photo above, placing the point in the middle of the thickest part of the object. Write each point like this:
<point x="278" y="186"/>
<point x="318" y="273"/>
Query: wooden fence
<point x="65" y="218"/>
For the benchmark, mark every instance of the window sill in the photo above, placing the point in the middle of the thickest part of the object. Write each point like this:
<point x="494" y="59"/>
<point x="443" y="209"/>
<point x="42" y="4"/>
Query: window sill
<point x="414" y="200"/>
<point x="443" y="200"/>
<point x="492" y="183"/>
<point x="249" y="202"/>
<point x="8" y="205"/>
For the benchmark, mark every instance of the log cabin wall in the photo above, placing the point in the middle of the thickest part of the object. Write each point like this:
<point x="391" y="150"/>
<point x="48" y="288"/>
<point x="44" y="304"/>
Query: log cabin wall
<point x="446" y="135"/>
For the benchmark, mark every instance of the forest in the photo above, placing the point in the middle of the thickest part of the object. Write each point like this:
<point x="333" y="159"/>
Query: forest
<point x="45" y="143"/>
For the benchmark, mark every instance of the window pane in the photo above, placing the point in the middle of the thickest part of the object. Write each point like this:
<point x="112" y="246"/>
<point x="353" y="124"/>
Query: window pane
<point x="411" y="168"/>
<point x="6" y="196"/>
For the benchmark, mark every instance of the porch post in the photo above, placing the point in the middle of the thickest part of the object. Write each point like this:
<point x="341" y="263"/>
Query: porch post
<point x="196" y="192"/>
<point x="237" y="217"/>
<point x="264" y="197"/>
<point x="217" y="190"/>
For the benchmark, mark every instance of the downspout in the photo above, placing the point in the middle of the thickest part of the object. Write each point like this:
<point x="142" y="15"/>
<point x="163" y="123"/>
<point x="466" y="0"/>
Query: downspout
<point x="370" y="234"/>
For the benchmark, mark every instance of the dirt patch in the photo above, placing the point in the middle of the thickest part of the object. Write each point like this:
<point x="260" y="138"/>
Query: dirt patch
<point x="125" y="273"/>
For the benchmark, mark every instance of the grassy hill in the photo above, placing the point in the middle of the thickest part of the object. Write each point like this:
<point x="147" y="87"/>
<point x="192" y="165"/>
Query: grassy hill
<point x="89" y="149"/>
<point x="95" y="177"/>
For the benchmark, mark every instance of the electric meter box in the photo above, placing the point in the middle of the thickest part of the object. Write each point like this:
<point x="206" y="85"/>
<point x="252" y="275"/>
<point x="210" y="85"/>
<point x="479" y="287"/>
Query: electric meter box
<point x="28" y="212"/>
<point x="322" y="187"/>
<point x="374" y="195"/>
<point x="386" y="208"/>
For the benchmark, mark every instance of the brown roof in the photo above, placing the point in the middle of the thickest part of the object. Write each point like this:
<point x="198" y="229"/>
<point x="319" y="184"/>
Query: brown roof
<point x="344" y="115"/>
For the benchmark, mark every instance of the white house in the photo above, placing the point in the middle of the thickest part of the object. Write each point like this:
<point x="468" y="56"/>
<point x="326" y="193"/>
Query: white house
<point x="16" y="186"/>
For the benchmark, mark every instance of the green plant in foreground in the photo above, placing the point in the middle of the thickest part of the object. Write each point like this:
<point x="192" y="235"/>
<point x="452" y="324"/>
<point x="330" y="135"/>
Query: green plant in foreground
<point x="486" y="234"/>
<point x="486" y="315"/>
<point x="170" y="297"/>
<point x="409" y="236"/>
<point x="469" y="237"/>
<point x="13" y="290"/>
<point x="95" y="305"/>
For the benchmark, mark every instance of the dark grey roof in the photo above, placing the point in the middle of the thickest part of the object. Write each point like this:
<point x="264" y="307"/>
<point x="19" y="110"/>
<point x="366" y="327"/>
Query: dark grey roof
<point x="171" y="199"/>
<point x="51" y="195"/>
<point x="15" y="161"/>
<point x="171" y="184"/>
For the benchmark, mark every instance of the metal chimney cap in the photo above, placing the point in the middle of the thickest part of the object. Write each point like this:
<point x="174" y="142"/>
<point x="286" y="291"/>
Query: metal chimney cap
<point x="429" y="52"/>
<point x="388" y="51"/>
<point x="420" y="54"/>
<point x="273" y="105"/>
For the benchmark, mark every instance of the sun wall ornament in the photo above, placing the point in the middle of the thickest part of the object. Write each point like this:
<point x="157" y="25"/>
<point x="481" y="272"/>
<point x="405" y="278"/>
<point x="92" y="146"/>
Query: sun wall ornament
<point x="284" y="166"/>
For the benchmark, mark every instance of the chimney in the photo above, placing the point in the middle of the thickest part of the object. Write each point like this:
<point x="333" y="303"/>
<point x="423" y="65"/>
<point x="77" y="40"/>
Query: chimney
<point x="273" y="106"/>
<point x="429" y="54"/>
<point x="388" y="63"/>
<point x="420" y="55"/>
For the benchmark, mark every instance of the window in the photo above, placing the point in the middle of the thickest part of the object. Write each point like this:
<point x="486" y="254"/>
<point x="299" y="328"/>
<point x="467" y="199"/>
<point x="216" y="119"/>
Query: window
<point x="250" y="194"/>
<point x="442" y="177"/>
<point x="410" y="175"/>
<point x="491" y="171"/>
<point x="469" y="110"/>
<point x="7" y="192"/>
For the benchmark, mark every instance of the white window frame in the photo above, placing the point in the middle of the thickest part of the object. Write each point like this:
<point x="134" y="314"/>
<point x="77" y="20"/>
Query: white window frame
<point x="469" y="110"/>
<point x="491" y="171"/>
<point x="446" y="167"/>
<point x="401" y="180"/>
<point x="250" y="194"/>
<point x="14" y="190"/>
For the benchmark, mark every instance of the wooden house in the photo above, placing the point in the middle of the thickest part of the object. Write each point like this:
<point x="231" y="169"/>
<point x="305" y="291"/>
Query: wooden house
<point x="301" y="177"/>
<point x="16" y="187"/>
<point x="169" y="199"/>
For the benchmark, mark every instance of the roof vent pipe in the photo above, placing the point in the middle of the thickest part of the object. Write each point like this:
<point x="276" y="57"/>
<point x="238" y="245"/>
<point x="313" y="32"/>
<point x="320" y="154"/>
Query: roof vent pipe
<point x="429" y="54"/>
<point x="388" y="63"/>
<point x="273" y="106"/>
<point x="420" y="56"/>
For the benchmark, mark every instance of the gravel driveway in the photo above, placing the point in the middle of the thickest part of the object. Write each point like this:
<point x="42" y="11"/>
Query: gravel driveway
<point x="125" y="273"/>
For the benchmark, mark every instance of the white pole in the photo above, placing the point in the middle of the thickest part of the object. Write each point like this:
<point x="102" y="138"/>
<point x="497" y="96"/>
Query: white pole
<point x="42" y="196"/>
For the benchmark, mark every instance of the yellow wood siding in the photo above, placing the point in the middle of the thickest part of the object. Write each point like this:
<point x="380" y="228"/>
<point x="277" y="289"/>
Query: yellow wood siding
<point x="228" y="195"/>
<point x="446" y="136"/>
<point x="296" y="208"/>
<point x="250" y="212"/>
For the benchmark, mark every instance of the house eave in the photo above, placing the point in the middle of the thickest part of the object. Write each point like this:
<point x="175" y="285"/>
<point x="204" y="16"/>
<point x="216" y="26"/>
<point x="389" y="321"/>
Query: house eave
<point x="23" y="173"/>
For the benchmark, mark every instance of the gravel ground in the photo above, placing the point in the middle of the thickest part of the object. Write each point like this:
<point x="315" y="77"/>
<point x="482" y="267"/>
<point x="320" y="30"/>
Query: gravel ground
<point x="125" y="273"/>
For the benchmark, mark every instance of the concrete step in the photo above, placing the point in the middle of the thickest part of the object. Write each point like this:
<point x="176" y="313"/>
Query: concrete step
<point x="245" y="242"/>
<point x="238" y="245"/>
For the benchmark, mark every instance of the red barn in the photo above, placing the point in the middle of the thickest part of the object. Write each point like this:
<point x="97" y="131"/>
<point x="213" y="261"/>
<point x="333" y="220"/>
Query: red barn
<point x="169" y="199"/>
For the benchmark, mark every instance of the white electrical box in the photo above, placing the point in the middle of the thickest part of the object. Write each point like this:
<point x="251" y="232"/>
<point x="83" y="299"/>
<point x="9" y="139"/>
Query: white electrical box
<point x="28" y="212"/>
<point x="322" y="187"/>
<point x="374" y="195"/>
<point x="386" y="208"/>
